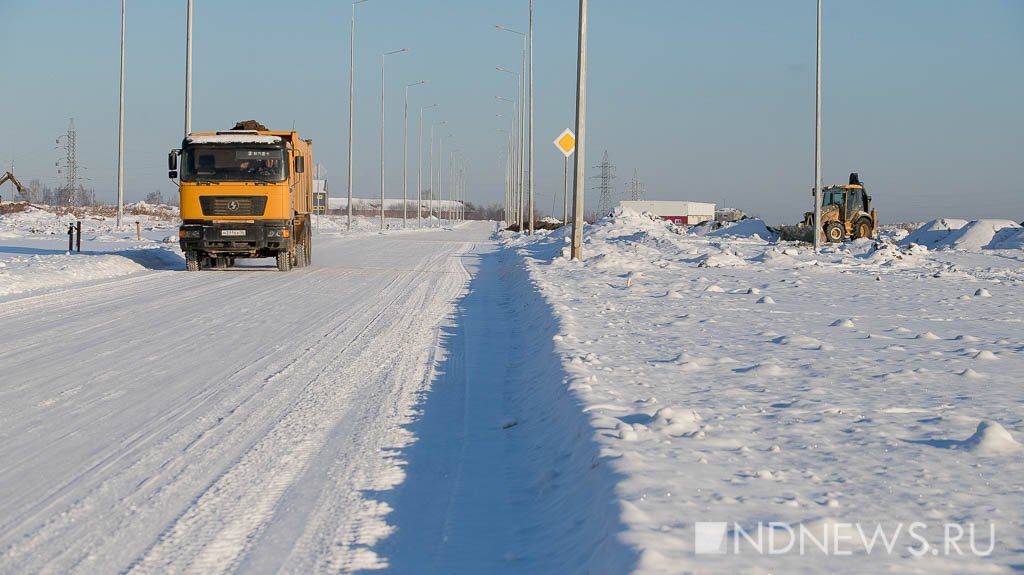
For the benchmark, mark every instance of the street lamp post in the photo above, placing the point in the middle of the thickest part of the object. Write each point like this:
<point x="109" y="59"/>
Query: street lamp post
<point x="120" y="132"/>
<point x="419" y="169"/>
<point x="382" y="109"/>
<point x="405" y="156"/>
<point x="517" y="204"/>
<point x="579" y="181"/>
<point x="817" y="142"/>
<point x="430" y="188"/>
<point x="351" y="103"/>
<point x="508" y="167"/>
<point x="531" y="119"/>
<point x="440" y="184"/>
<point x="522" y="129"/>
<point x="188" y="70"/>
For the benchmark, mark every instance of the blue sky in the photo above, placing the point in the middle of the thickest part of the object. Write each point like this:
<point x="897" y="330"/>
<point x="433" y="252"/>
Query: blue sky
<point x="710" y="101"/>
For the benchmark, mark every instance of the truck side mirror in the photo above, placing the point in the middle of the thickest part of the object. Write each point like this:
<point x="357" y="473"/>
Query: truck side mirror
<point x="172" y="174"/>
<point x="300" y="164"/>
<point x="172" y="160"/>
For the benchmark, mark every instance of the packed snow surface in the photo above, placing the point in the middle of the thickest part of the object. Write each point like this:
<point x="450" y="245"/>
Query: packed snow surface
<point x="745" y="383"/>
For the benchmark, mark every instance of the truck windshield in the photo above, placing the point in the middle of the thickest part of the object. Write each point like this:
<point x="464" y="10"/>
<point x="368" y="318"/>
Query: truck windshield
<point x="233" y="164"/>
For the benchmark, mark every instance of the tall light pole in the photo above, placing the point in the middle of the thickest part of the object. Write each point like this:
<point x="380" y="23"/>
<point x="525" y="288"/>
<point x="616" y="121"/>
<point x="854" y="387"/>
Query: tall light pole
<point x="508" y="167"/>
<point x="351" y="103"/>
<point x="188" y="70"/>
<point x="531" y="119"/>
<point x="817" y="142"/>
<point x="580" y="181"/>
<point x="430" y="188"/>
<point x="382" y="108"/>
<point x="419" y="169"/>
<point x="440" y="173"/>
<point x="522" y="136"/>
<point x="517" y="190"/>
<point x="452" y="186"/>
<point x="120" y="132"/>
<point x="405" y="156"/>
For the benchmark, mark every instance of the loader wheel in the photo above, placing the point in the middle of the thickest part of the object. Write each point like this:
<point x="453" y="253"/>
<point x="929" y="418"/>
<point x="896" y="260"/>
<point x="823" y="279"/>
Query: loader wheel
<point x="284" y="261"/>
<point x="834" y="232"/>
<point x="862" y="229"/>
<point x="192" y="261"/>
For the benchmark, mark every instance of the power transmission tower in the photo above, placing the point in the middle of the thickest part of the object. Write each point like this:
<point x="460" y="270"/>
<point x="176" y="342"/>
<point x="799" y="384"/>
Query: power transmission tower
<point x="604" y="187"/>
<point x="636" y="189"/>
<point x="70" y="164"/>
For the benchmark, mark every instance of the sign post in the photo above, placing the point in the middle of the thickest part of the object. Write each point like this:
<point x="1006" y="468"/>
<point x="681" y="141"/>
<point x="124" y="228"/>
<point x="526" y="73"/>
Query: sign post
<point x="566" y="143"/>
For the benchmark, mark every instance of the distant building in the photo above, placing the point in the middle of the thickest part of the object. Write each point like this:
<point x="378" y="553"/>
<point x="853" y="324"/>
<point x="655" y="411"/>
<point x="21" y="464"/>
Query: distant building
<point x="682" y="213"/>
<point x="729" y="215"/>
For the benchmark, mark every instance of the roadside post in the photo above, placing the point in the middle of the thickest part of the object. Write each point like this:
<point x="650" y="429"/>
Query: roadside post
<point x="579" y="179"/>
<point x="71" y="237"/>
<point x="138" y="231"/>
<point x="78" y="237"/>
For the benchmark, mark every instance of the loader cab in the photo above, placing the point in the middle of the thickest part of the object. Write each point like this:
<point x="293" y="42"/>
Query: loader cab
<point x="849" y="200"/>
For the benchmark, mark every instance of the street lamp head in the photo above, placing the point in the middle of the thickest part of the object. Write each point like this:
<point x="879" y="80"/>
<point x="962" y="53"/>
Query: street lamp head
<point x="359" y="2"/>
<point x="500" y="27"/>
<point x="507" y="71"/>
<point x="396" y="51"/>
<point x="415" y="83"/>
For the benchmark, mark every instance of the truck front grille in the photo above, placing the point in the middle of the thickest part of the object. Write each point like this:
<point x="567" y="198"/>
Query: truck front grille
<point x="233" y="205"/>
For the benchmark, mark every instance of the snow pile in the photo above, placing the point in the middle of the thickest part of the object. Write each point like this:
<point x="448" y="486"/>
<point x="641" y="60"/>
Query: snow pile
<point x="27" y="273"/>
<point x="750" y="228"/>
<point x="975" y="235"/>
<point x="1008" y="238"/>
<point x="961" y="235"/>
<point x="934" y="231"/>
<point x="991" y="439"/>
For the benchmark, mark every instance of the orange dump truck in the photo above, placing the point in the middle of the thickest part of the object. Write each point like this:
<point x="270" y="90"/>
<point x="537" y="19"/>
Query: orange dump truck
<point x="245" y="193"/>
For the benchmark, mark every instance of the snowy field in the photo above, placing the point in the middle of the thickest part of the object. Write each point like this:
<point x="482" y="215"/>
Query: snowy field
<point x="455" y="401"/>
<point x="800" y="406"/>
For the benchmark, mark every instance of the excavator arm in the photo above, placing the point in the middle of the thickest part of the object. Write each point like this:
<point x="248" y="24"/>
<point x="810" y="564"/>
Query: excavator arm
<point x="21" y="189"/>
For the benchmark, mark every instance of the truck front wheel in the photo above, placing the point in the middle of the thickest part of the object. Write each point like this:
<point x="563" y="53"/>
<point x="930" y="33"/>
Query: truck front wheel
<point x="284" y="261"/>
<point x="192" y="261"/>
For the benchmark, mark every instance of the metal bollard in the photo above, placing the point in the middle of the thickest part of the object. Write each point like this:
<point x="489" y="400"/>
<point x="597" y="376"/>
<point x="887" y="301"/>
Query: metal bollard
<point x="78" y="237"/>
<point x="138" y="231"/>
<point x="71" y="237"/>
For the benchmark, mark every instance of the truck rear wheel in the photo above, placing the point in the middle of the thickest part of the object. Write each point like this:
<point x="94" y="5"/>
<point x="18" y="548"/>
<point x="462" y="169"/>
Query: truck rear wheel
<point x="192" y="261"/>
<point x="284" y="261"/>
<point x="300" y="256"/>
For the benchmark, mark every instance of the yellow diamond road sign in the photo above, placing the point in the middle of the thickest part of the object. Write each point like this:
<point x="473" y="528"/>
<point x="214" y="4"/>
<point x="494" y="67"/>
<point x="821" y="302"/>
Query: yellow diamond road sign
<point x="566" y="142"/>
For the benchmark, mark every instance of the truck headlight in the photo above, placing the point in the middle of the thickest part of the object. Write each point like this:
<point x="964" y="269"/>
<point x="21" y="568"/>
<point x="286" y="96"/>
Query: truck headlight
<point x="190" y="234"/>
<point x="277" y="233"/>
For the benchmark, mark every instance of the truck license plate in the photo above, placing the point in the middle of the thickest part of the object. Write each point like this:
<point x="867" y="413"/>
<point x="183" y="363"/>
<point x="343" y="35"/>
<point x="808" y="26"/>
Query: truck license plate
<point x="232" y="232"/>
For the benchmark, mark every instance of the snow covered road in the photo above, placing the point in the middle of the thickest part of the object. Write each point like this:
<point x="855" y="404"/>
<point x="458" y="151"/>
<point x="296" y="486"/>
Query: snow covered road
<point x="219" y="421"/>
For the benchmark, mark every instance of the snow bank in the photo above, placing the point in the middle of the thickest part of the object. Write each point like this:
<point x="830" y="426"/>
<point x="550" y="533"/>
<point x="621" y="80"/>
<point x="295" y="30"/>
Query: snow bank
<point x="750" y="228"/>
<point x="975" y="235"/>
<point x="28" y="273"/>
<point x="961" y="235"/>
<point x="934" y="231"/>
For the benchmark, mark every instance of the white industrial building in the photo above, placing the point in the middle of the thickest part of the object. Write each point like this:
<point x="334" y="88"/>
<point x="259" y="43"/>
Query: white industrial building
<point x="682" y="213"/>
